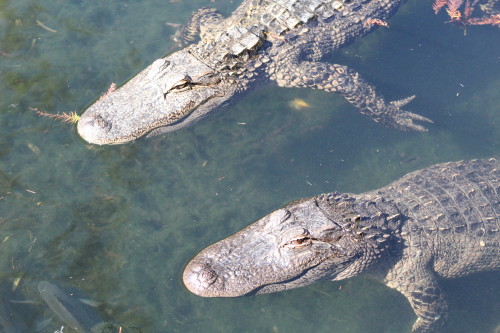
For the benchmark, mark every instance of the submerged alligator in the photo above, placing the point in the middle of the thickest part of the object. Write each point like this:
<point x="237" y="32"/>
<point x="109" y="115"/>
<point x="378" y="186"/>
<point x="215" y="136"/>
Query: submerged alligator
<point x="280" y="41"/>
<point x="438" y="222"/>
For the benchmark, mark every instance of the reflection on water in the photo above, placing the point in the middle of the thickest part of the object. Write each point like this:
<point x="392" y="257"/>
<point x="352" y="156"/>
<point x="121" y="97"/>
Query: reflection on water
<point x="119" y="223"/>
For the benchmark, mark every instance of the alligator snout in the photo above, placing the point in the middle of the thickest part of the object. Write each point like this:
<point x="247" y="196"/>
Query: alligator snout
<point x="199" y="278"/>
<point x="91" y="128"/>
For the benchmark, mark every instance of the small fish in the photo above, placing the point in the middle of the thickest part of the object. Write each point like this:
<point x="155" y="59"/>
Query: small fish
<point x="26" y="301"/>
<point x="67" y="309"/>
<point x="90" y="302"/>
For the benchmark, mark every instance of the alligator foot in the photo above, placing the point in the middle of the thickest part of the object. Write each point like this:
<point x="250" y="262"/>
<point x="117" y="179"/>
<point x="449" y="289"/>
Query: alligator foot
<point x="350" y="84"/>
<point x="419" y="284"/>
<point x="404" y="120"/>
<point x="202" y="22"/>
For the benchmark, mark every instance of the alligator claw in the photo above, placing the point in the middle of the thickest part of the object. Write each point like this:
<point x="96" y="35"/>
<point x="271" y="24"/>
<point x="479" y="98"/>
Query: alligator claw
<point x="404" y="120"/>
<point x="402" y="102"/>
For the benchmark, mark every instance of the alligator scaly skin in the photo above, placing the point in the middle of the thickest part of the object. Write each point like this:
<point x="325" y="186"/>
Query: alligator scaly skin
<point x="438" y="222"/>
<point x="263" y="41"/>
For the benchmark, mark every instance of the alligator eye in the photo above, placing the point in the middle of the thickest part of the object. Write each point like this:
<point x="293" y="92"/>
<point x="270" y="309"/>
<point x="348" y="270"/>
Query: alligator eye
<point x="300" y="241"/>
<point x="182" y="85"/>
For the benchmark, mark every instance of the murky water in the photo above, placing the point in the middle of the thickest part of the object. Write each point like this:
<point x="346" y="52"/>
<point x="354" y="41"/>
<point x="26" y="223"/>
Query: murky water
<point x="116" y="225"/>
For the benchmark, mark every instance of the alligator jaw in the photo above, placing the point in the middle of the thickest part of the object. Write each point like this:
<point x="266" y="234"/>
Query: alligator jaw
<point x="175" y="89"/>
<point x="202" y="278"/>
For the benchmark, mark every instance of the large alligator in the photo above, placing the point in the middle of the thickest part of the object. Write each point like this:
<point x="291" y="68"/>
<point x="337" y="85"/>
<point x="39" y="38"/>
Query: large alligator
<point x="438" y="222"/>
<point x="280" y="41"/>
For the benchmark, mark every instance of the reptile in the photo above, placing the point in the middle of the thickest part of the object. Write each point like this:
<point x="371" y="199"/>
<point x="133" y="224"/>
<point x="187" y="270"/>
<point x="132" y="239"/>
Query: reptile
<point x="263" y="41"/>
<point x="438" y="222"/>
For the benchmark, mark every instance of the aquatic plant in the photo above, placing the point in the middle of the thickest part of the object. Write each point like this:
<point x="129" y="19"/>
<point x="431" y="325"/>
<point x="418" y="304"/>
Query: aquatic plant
<point x="69" y="118"/>
<point x="464" y="18"/>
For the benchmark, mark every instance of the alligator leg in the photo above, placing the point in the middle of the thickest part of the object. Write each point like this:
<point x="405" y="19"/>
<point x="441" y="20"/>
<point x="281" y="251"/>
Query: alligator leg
<point x="360" y="93"/>
<point x="201" y="23"/>
<point x="421" y="288"/>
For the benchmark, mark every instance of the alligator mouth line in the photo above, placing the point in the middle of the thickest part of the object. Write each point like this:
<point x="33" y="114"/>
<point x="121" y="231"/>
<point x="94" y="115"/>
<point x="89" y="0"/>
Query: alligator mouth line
<point x="160" y="126"/>
<point x="256" y="290"/>
<point x="340" y="267"/>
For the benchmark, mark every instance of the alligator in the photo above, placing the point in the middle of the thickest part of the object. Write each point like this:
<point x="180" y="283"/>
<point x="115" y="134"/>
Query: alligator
<point x="438" y="222"/>
<point x="263" y="41"/>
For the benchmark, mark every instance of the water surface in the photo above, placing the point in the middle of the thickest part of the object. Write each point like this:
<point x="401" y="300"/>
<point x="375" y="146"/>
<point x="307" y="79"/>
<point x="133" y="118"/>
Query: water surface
<point x="118" y="223"/>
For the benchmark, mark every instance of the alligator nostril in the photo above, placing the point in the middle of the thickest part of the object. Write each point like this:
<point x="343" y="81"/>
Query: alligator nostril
<point x="198" y="277"/>
<point x="208" y="276"/>
<point x="99" y="121"/>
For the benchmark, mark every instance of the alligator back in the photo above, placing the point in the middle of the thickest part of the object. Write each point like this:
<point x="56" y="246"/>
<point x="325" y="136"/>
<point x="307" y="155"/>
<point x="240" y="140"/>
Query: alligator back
<point x="229" y="43"/>
<point x="453" y="214"/>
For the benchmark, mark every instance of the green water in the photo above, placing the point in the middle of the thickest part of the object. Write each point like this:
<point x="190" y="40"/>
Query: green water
<point x="118" y="223"/>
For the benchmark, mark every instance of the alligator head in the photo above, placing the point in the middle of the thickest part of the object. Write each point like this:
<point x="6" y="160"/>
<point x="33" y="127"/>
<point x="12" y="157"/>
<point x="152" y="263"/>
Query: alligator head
<point x="172" y="92"/>
<point x="294" y="246"/>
